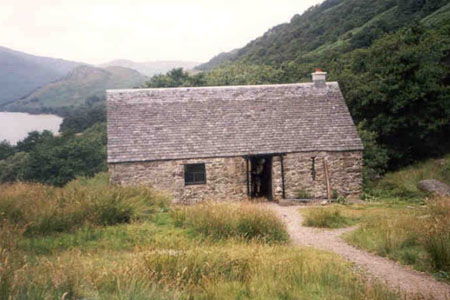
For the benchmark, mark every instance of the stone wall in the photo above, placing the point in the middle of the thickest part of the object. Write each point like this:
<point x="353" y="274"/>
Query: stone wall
<point x="225" y="178"/>
<point x="344" y="170"/>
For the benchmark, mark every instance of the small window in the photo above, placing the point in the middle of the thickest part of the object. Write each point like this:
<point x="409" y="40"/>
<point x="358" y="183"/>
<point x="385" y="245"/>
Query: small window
<point x="313" y="168"/>
<point x="194" y="174"/>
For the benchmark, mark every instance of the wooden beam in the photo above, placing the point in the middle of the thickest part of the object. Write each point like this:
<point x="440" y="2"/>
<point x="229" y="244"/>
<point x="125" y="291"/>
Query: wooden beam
<point x="282" y="176"/>
<point x="248" y="178"/>
<point x="327" y="178"/>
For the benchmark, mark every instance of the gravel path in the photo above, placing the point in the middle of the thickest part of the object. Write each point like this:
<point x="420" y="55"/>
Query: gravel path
<point x="394" y="275"/>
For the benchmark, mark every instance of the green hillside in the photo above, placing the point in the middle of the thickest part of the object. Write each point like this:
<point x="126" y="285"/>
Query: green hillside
<point x="21" y="73"/>
<point x="342" y="25"/>
<point x="218" y="60"/>
<point x="82" y="83"/>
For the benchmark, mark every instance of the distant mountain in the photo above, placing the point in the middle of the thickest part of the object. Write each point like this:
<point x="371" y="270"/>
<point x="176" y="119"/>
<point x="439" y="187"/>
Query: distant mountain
<point x="80" y="84"/>
<point x="21" y="73"/>
<point x="151" y="68"/>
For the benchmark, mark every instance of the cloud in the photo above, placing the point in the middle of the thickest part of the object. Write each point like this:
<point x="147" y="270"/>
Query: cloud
<point x="99" y="30"/>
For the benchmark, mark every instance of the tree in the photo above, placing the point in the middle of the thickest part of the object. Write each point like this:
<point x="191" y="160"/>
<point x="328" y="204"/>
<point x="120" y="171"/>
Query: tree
<point x="403" y="96"/>
<point x="14" y="167"/>
<point x="175" y="78"/>
<point x="34" y="138"/>
<point x="243" y="74"/>
<point x="84" y="117"/>
<point x="236" y="74"/>
<point x="6" y="150"/>
<point x="65" y="157"/>
<point x="375" y="157"/>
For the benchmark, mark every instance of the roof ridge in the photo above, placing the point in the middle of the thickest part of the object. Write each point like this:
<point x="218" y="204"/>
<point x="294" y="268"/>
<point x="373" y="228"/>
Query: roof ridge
<point x="304" y="84"/>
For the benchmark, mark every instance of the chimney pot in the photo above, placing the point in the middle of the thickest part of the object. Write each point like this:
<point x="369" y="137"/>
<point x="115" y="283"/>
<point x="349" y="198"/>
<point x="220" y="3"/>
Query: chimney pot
<point x="319" y="78"/>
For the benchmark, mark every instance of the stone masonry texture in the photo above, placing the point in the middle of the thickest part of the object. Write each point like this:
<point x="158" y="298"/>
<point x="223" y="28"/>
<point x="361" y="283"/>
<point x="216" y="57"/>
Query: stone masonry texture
<point x="226" y="178"/>
<point x="344" y="170"/>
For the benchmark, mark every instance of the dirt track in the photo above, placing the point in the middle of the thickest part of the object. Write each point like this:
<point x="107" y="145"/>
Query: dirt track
<point x="394" y="275"/>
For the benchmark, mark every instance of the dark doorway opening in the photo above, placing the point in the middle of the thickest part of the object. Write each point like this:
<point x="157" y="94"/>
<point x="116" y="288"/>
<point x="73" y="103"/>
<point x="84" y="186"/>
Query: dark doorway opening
<point x="261" y="176"/>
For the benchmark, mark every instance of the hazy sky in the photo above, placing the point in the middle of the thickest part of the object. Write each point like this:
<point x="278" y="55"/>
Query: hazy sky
<point x="96" y="31"/>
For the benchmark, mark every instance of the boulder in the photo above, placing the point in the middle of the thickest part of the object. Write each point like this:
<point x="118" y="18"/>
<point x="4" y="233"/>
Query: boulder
<point x="434" y="186"/>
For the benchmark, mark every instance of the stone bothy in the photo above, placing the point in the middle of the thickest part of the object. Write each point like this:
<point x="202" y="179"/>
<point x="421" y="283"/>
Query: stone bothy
<point x="235" y="142"/>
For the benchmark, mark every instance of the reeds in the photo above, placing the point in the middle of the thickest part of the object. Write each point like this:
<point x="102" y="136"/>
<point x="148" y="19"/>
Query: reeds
<point x="231" y="270"/>
<point x="45" y="209"/>
<point x="232" y="220"/>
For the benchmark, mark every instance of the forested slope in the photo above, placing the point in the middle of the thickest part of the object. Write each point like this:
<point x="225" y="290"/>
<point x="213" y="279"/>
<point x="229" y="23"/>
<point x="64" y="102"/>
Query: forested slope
<point x="335" y="25"/>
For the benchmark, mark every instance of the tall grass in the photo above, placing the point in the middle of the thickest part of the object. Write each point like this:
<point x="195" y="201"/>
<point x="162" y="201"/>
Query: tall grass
<point x="83" y="242"/>
<point x="45" y="209"/>
<point x="420" y="237"/>
<point x="28" y="211"/>
<point x="403" y="183"/>
<point x="228" y="220"/>
<point x="232" y="270"/>
<point x="436" y="233"/>
<point x="10" y="259"/>
<point x="326" y="217"/>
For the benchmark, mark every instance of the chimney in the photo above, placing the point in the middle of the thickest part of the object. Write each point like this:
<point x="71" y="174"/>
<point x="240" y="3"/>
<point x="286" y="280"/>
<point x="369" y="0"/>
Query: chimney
<point x="319" y="78"/>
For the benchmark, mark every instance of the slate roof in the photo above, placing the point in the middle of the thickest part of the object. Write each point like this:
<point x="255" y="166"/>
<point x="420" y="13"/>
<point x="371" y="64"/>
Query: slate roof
<point x="181" y="123"/>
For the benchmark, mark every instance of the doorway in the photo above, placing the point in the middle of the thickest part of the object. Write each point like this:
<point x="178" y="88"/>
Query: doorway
<point x="261" y="176"/>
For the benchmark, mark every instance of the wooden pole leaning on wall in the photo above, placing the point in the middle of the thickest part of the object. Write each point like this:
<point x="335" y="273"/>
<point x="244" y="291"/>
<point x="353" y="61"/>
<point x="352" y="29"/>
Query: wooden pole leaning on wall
<point x="282" y="176"/>
<point x="327" y="178"/>
<point x="248" y="176"/>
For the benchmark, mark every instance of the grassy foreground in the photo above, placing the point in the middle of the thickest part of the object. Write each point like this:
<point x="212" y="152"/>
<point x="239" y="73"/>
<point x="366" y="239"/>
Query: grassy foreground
<point x="398" y="220"/>
<point x="416" y="235"/>
<point x="92" y="241"/>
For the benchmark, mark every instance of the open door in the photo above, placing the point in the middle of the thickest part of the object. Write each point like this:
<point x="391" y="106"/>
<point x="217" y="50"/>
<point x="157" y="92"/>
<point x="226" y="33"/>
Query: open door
<point x="261" y="176"/>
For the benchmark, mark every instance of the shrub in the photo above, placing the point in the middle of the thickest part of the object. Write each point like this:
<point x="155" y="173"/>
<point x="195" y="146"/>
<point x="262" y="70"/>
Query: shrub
<point x="6" y="149"/>
<point x="14" y="167"/>
<point x="226" y="220"/>
<point x="326" y="218"/>
<point x="302" y="194"/>
<point x="375" y="156"/>
<point x="334" y="194"/>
